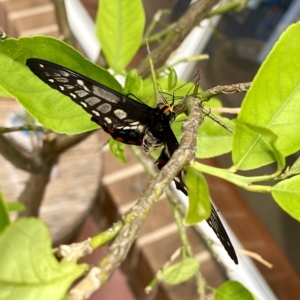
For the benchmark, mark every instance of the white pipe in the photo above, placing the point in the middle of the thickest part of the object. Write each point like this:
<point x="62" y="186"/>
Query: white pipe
<point x="83" y="28"/>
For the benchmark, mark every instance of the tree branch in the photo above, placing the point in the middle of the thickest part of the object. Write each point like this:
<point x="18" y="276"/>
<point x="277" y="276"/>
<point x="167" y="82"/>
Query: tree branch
<point x="32" y="194"/>
<point x="217" y="90"/>
<point x="64" y="142"/>
<point x="20" y="158"/>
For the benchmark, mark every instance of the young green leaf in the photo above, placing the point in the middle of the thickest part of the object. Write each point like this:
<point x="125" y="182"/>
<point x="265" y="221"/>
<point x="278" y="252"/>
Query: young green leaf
<point x="181" y="272"/>
<point x="199" y="201"/>
<point x="119" y="28"/>
<point x="117" y="150"/>
<point x="287" y="194"/>
<point x="133" y="83"/>
<point x="172" y="79"/>
<point x="28" y="268"/>
<point x="233" y="290"/>
<point x="273" y="103"/>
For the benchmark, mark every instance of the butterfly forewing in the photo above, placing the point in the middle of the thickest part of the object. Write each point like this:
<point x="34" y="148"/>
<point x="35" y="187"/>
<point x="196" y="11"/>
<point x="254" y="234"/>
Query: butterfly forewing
<point x="123" y="118"/>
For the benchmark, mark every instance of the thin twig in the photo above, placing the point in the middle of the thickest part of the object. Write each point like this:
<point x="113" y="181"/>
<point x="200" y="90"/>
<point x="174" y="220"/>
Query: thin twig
<point x="196" y="12"/>
<point x="156" y="19"/>
<point x="217" y="90"/>
<point x="235" y="5"/>
<point x="255" y="256"/>
<point x="226" y="110"/>
<point x="21" y="128"/>
<point x="159" y="274"/>
<point x="225" y="89"/>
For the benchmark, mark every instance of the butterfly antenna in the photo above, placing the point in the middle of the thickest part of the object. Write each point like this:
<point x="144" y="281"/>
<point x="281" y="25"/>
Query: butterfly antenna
<point x="196" y="86"/>
<point x="215" y="119"/>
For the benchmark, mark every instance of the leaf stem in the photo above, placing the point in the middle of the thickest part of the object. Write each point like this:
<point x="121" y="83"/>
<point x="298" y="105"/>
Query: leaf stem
<point x="239" y="180"/>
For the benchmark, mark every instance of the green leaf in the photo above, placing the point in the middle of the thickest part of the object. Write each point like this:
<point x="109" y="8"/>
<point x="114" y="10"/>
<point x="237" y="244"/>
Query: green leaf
<point x="51" y="108"/>
<point x="15" y="206"/>
<point x="4" y="93"/>
<point x="172" y="79"/>
<point x="133" y="83"/>
<point x="28" y="268"/>
<point x="119" y="28"/>
<point x="270" y="138"/>
<point x="295" y="169"/>
<point x="181" y="271"/>
<point x="4" y="216"/>
<point x="273" y="103"/>
<point x="199" y="200"/>
<point x="287" y="194"/>
<point x="117" y="150"/>
<point x="233" y="290"/>
<point x="213" y="140"/>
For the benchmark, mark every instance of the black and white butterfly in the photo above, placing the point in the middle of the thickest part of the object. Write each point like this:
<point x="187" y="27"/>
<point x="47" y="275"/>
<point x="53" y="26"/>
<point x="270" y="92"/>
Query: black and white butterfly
<point x="126" y="120"/>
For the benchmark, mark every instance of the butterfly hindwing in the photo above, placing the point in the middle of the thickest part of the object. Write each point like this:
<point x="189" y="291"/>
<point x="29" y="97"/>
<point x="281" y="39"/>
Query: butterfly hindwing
<point x="214" y="220"/>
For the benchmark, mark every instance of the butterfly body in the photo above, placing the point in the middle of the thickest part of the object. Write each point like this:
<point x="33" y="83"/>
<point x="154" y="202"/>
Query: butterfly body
<point x="126" y="120"/>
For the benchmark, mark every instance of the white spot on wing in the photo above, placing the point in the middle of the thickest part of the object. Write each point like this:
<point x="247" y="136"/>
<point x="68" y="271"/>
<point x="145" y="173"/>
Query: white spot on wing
<point x="83" y="104"/>
<point x="108" y="120"/>
<point x="140" y="128"/>
<point x="73" y="95"/>
<point x="104" y="108"/>
<point x="81" y="93"/>
<point x="176" y="179"/>
<point x="105" y="94"/>
<point x="92" y="100"/>
<point x="63" y="73"/>
<point x="96" y="113"/>
<point x="135" y="123"/>
<point x="121" y="114"/>
<point x="61" y="79"/>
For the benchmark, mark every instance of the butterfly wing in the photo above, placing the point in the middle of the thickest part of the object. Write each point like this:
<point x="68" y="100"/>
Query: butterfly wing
<point x="213" y="221"/>
<point x="125" y="119"/>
